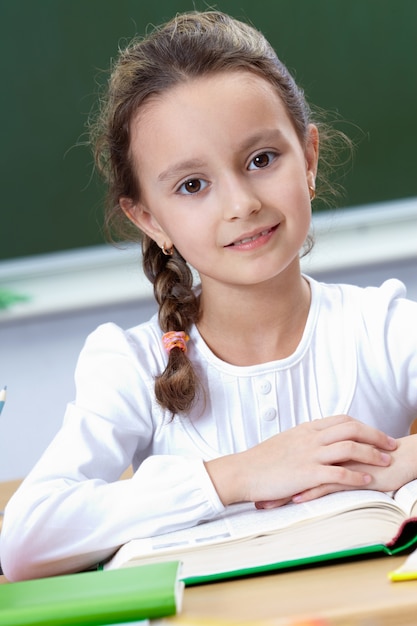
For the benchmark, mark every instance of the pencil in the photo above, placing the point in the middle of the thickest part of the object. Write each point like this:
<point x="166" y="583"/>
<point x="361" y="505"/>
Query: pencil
<point x="2" y="398"/>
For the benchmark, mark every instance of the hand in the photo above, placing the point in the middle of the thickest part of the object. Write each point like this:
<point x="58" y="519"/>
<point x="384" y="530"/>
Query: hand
<point x="401" y="470"/>
<point x="300" y="459"/>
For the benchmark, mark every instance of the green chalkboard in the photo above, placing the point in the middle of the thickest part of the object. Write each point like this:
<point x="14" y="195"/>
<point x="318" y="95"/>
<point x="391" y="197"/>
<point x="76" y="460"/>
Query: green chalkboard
<point x="356" y="57"/>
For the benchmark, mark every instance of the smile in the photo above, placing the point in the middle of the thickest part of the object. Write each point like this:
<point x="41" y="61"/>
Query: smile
<point x="246" y="240"/>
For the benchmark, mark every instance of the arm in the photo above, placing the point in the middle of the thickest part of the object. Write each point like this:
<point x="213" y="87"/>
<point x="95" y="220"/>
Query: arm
<point x="56" y="525"/>
<point x="72" y="511"/>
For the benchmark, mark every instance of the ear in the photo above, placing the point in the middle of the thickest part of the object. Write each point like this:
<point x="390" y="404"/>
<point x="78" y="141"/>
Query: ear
<point x="141" y="217"/>
<point x="312" y="154"/>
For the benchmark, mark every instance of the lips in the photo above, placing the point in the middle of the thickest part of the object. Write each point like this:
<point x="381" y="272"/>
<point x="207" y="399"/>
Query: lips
<point x="249" y="239"/>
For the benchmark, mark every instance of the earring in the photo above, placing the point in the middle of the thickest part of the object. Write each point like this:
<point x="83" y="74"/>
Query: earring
<point x="312" y="192"/>
<point x="167" y="251"/>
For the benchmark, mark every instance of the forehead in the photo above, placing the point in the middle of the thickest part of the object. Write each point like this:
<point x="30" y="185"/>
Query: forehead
<point x="197" y="96"/>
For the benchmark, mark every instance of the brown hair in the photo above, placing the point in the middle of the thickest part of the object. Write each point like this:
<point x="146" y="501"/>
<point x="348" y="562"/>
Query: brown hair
<point x="190" y="45"/>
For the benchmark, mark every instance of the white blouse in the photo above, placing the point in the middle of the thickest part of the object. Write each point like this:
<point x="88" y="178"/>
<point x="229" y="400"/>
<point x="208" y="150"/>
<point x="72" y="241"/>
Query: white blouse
<point x="357" y="356"/>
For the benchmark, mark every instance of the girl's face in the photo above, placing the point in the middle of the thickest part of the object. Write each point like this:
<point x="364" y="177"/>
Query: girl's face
<point x="223" y="177"/>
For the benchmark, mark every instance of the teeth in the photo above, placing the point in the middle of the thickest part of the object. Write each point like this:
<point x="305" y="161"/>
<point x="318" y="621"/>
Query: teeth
<point x="248" y="239"/>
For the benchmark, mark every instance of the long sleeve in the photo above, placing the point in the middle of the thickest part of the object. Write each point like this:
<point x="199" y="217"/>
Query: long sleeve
<point x="72" y="511"/>
<point x="65" y="527"/>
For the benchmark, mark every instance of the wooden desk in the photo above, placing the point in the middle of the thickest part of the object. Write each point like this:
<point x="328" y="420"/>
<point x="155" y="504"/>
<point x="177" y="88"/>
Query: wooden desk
<point x="346" y="594"/>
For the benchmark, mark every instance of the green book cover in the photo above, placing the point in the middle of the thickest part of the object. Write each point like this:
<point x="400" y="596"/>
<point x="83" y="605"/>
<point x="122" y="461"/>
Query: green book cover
<point x="93" y="598"/>
<point x="377" y="550"/>
<point x="405" y="542"/>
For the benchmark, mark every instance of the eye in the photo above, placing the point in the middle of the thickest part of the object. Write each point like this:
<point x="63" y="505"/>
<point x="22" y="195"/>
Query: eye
<point x="263" y="159"/>
<point x="191" y="186"/>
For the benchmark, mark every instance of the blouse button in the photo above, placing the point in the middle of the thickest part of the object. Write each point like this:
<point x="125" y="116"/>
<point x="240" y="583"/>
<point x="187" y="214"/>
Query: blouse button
<point x="269" y="414"/>
<point x="265" y="386"/>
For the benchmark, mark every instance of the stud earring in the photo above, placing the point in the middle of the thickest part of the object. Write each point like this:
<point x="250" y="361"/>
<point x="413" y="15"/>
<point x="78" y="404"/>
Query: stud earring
<point x="312" y="192"/>
<point x="167" y="251"/>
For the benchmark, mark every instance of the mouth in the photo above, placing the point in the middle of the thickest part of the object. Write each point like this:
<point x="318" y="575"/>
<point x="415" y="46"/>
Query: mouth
<point x="250" y="239"/>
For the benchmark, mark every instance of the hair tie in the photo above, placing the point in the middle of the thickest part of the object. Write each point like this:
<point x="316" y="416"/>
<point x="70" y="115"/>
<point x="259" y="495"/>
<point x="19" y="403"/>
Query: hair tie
<point x="175" y="339"/>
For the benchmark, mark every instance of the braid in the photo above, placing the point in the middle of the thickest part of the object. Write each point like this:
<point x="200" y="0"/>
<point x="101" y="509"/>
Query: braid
<point x="176" y="387"/>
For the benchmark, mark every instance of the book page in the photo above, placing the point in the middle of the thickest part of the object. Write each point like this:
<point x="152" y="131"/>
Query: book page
<point x="243" y="520"/>
<point x="406" y="498"/>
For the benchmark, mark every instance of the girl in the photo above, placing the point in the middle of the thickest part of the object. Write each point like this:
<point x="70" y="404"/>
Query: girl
<point x="259" y="384"/>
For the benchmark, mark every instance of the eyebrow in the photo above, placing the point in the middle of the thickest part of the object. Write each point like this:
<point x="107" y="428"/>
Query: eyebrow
<point x="263" y="136"/>
<point x="179" y="169"/>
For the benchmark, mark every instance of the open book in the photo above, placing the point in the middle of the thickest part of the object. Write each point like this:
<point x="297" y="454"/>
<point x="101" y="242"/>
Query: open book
<point x="244" y="540"/>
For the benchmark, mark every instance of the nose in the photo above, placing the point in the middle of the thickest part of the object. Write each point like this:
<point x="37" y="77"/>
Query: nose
<point x="238" y="199"/>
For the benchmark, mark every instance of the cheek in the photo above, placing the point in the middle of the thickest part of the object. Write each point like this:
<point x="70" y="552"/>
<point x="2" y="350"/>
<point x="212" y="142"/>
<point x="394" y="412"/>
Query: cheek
<point x="196" y="241"/>
<point x="297" y="205"/>
<point x="190" y="224"/>
<point x="187" y="238"/>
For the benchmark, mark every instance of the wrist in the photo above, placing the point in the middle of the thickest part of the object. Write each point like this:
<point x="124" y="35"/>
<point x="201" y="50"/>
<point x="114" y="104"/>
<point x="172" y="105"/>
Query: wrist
<point x="226" y="474"/>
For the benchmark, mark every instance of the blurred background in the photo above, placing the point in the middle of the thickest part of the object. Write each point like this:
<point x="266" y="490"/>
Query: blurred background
<point x="58" y="279"/>
<point x="355" y="58"/>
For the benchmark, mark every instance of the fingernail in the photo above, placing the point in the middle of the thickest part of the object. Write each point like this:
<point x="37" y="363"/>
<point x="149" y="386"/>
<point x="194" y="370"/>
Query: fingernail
<point x="268" y="505"/>
<point x="367" y="479"/>
<point x="392" y="442"/>
<point x="385" y="458"/>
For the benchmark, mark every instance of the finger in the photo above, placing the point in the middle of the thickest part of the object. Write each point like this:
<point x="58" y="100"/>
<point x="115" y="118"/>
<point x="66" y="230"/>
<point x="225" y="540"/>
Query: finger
<point x="344" y="476"/>
<point x="272" y="504"/>
<point x="352" y="430"/>
<point x="345" y="451"/>
<point x="331" y="420"/>
<point x="317" y="492"/>
<point x="344" y="480"/>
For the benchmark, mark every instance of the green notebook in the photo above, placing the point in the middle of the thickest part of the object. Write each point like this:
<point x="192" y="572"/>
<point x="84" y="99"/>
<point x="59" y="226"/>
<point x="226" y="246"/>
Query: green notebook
<point x="93" y="598"/>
